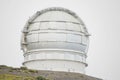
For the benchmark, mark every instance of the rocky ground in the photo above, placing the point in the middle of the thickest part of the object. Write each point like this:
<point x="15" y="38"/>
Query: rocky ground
<point x="51" y="75"/>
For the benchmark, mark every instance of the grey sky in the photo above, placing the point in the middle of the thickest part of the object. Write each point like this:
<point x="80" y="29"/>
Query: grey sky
<point x="102" y="18"/>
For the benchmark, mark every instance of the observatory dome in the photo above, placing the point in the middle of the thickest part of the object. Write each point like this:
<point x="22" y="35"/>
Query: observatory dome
<point x="55" y="39"/>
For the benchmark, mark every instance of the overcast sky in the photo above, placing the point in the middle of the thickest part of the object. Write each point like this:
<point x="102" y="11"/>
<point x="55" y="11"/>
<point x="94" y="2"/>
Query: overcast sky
<point x="102" y="18"/>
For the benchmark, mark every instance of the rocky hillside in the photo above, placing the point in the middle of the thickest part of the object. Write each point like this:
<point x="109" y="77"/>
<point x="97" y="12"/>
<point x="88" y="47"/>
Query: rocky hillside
<point x="22" y="73"/>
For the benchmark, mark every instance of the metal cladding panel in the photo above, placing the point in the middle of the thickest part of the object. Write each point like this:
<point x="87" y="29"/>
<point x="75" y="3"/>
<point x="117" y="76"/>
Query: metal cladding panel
<point x="58" y="25"/>
<point x="56" y="16"/>
<point x="56" y="45"/>
<point x="56" y="40"/>
<point x="55" y="37"/>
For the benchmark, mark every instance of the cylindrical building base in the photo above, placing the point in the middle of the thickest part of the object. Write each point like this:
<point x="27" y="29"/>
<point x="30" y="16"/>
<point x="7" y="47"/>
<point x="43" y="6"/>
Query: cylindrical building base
<point x="56" y="65"/>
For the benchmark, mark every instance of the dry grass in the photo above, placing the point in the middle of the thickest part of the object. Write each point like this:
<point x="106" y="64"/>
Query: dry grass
<point x="51" y="75"/>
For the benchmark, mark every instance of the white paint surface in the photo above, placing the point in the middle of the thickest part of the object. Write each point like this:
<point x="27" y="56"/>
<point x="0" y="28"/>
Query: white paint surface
<point x="102" y="18"/>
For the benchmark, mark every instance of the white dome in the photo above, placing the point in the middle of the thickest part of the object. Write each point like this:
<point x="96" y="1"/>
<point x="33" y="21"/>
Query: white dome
<point x="58" y="31"/>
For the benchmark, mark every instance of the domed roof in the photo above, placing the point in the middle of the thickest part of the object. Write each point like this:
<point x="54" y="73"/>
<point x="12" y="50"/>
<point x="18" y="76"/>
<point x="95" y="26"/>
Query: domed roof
<point x="55" y="15"/>
<point x="56" y="28"/>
